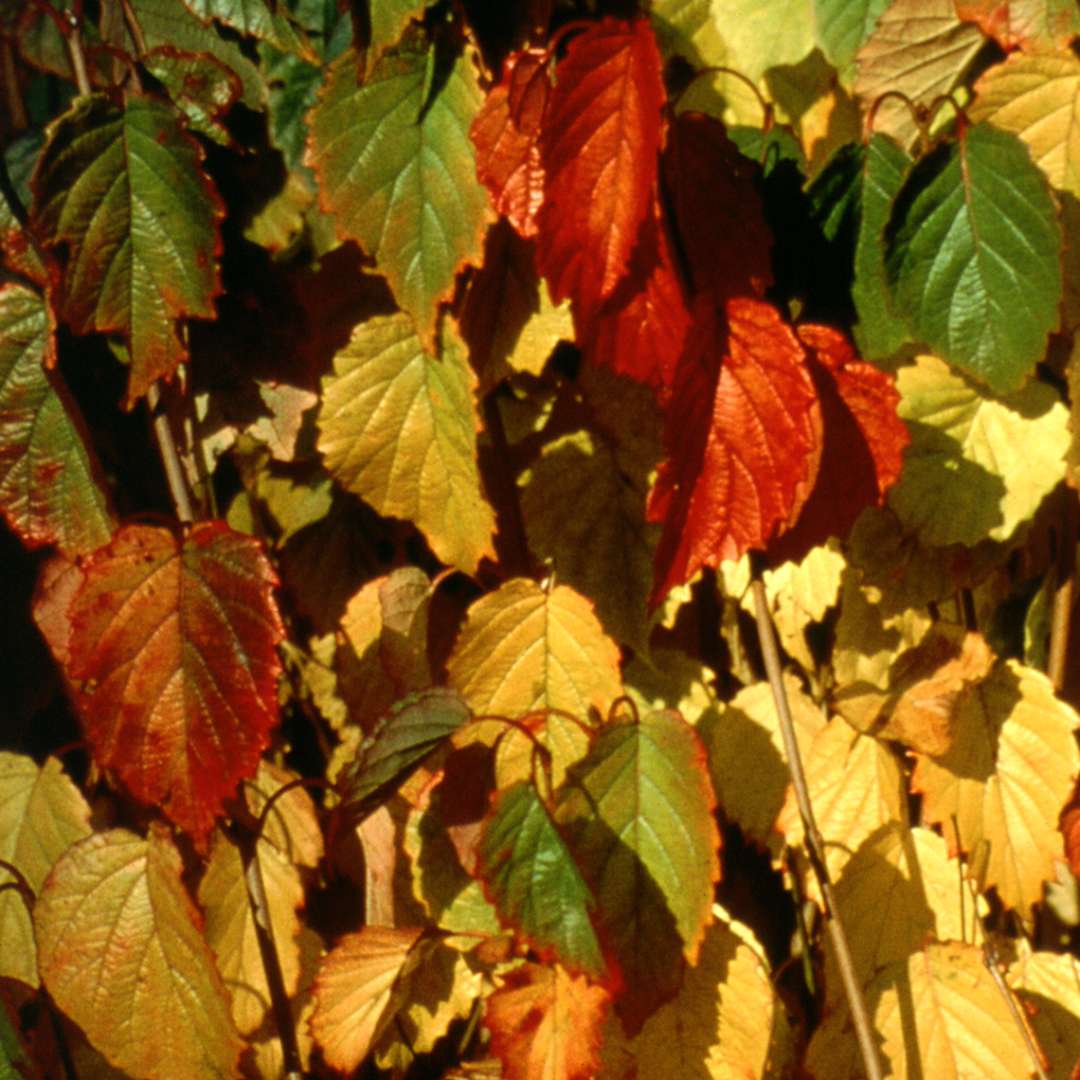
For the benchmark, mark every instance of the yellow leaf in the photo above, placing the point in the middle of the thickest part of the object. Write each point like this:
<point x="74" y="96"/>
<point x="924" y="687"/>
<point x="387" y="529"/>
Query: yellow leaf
<point x="1048" y="986"/>
<point x="978" y="465"/>
<point x="919" y="48"/>
<point x="727" y="1022"/>
<point x="42" y="813"/>
<point x="855" y="788"/>
<point x="292" y="826"/>
<point x="747" y="730"/>
<point x="397" y="427"/>
<point x="1005" y="780"/>
<point x="120" y="952"/>
<point x="524" y="648"/>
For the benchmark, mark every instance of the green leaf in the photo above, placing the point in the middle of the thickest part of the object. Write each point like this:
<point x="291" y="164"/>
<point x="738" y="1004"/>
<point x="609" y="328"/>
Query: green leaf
<point x="123" y="191"/>
<point x="203" y="88"/>
<point x="978" y="466"/>
<point x="42" y="813"/>
<point x="388" y="21"/>
<point x="406" y="735"/>
<point x="842" y="27"/>
<point x="879" y="332"/>
<point x="637" y="814"/>
<point x="396" y="168"/>
<point x="534" y="883"/>
<point x="20" y="156"/>
<point x="254" y="18"/>
<point x="398" y="428"/>
<point x="974" y="256"/>
<point x="50" y="487"/>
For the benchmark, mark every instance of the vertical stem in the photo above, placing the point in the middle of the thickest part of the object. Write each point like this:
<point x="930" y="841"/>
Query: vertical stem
<point x="1064" y="595"/>
<point x="73" y="41"/>
<point x="815" y="847"/>
<point x="174" y="473"/>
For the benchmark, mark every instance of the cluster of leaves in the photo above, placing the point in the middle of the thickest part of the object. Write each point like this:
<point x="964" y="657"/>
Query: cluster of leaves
<point x="396" y="408"/>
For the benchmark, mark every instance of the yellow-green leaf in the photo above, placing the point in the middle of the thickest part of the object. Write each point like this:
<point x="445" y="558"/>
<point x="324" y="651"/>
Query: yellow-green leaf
<point x="398" y="428"/>
<point x="121" y="953"/>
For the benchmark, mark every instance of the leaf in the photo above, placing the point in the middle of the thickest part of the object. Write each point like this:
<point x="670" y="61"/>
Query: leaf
<point x="173" y="651"/>
<point x="42" y="814"/>
<point x="740" y="436"/>
<point x="599" y="146"/>
<point x="722" y="229"/>
<point x="292" y="827"/>
<point x="1005" y="780"/>
<point x="919" y="48"/>
<point x="230" y="926"/>
<point x="974" y="256"/>
<point x="535" y="885"/>
<point x="727" y="1020"/>
<point x="362" y="984"/>
<point x="506" y="134"/>
<point x="1024" y="24"/>
<point x="746" y="729"/>
<point x="864" y="442"/>
<point x="939" y="1011"/>
<point x="1046" y="984"/>
<point x="51" y="490"/>
<point x="121" y="953"/>
<point x="842" y="27"/>
<point x="545" y="1022"/>
<point x="397" y="427"/>
<point x="123" y="193"/>
<point x="254" y="18"/>
<point x="20" y="157"/>
<point x="899" y="889"/>
<point x="389" y="18"/>
<point x="397" y="172"/>
<point x="524" y="648"/>
<point x="199" y="85"/>
<point x="880" y="332"/>
<point x="978" y="466"/>
<point x="637" y="814"/>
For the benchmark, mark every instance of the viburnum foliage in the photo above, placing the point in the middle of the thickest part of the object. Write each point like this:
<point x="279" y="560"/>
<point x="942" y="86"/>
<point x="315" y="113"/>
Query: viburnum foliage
<point x="416" y="421"/>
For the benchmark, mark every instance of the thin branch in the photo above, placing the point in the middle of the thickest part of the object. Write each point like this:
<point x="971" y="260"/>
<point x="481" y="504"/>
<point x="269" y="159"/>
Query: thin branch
<point x="73" y="41"/>
<point x="170" y="458"/>
<point x="1064" y="596"/>
<point x="814" y="844"/>
<point x="1038" y="1059"/>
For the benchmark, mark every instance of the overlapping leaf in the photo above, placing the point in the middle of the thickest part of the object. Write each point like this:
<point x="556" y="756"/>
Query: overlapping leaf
<point x="534" y="882"/>
<point x="122" y="193"/>
<point x="974" y="256"/>
<point x="42" y="814"/>
<point x="51" y="491"/>
<point x="172" y="650"/>
<point x="398" y="428"/>
<point x="999" y="789"/>
<point x="396" y="168"/>
<point x="843" y="26"/>
<point x="545" y="1022"/>
<point x="120" y="951"/>
<point x="637" y="814"/>
<point x="742" y="441"/>
<point x="256" y="18"/>
<point x="524" y="648"/>
<point x="599" y="150"/>
<point x="1024" y="24"/>
<point x="1047" y="985"/>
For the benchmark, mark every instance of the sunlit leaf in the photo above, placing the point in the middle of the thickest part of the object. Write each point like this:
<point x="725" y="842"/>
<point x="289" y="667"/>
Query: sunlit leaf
<point x="974" y="256"/>
<point x="389" y="18"/>
<point x="121" y="953"/>
<point x="122" y="193"/>
<point x="1025" y="24"/>
<point x="545" y="1022"/>
<point x="398" y="428"/>
<point x="843" y="26"/>
<point x="1048" y="987"/>
<point x="42" y="814"/>
<point x="292" y="825"/>
<point x="523" y="648"/>
<point x="534" y="882"/>
<point x="1005" y="780"/>
<point x="397" y="171"/>
<point x="256" y="18"/>
<point x="204" y="88"/>
<point x="637" y="814"/>
<point x="51" y="491"/>
<point x="172" y="650"/>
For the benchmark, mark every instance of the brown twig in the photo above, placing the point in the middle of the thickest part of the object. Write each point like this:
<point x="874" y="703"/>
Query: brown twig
<point x="815" y="846"/>
<point x="170" y="458"/>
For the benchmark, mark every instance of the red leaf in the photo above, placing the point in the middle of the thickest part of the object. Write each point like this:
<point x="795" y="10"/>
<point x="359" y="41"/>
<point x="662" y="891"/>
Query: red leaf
<point x="1070" y="830"/>
<point x="641" y="330"/>
<point x="506" y="134"/>
<point x="717" y="208"/>
<point x="546" y="1023"/>
<point x="599" y="145"/>
<point x="741" y="439"/>
<point x="864" y="443"/>
<point x="172" y="645"/>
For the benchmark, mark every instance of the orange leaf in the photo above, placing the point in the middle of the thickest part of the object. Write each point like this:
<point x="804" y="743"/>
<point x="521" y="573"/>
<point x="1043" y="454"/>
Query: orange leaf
<point x="506" y="134"/>
<point x="172" y="650"/>
<point x="599" y="146"/>
<point x="1024" y="24"/>
<point x="741" y="435"/>
<point x="546" y="1023"/>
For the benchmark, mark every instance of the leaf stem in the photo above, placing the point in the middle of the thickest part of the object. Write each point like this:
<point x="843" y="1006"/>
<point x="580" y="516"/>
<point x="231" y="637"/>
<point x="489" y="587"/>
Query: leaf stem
<point x="1064" y="597"/>
<point x="170" y="458"/>
<point x="19" y="884"/>
<point x="1038" y="1058"/>
<point x="814" y="845"/>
